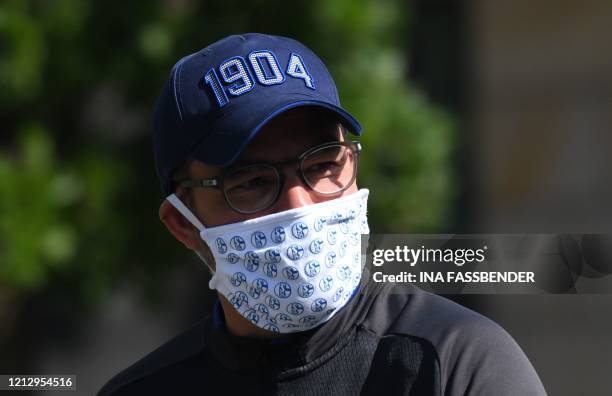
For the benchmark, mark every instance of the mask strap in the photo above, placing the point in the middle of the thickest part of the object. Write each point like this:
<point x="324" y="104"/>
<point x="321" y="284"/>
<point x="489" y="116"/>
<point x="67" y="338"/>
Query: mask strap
<point x="180" y="206"/>
<point x="210" y="268"/>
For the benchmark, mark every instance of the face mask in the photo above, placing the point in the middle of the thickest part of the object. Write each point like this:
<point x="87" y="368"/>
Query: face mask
<point x="293" y="270"/>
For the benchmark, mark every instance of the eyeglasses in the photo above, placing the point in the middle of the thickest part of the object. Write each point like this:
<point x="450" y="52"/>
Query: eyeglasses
<point x="326" y="169"/>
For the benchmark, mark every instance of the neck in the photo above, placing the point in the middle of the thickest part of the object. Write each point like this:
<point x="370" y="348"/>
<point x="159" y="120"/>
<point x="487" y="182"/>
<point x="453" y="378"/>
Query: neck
<point x="239" y="326"/>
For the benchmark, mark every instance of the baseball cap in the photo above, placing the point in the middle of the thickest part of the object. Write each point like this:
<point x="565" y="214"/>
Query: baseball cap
<point x="216" y="100"/>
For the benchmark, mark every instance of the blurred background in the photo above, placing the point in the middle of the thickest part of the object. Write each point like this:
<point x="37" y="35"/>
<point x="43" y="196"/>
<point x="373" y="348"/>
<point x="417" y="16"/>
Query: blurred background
<point x="479" y="116"/>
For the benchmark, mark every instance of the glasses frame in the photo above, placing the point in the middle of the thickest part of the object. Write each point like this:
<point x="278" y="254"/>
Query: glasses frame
<point x="217" y="181"/>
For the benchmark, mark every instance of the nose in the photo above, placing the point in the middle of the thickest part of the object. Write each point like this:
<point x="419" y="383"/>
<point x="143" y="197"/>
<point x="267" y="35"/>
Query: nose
<point x="294" y="194"/>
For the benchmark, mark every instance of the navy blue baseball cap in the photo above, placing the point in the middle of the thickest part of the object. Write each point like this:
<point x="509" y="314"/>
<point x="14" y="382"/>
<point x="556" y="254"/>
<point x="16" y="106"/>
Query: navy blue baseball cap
<point x="217" y="99"/>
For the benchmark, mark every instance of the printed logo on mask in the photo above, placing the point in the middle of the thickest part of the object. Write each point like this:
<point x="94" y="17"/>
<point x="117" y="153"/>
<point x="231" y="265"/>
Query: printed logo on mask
<point x="331" y="237"/>
<point x="338" y="294"/>
<point x="271" y="270"/>
<point x="251" y="261"/>
<point x="326" y="283"/>
<point x="316" y="246"/>
<point x="232" y="258"/>
<point x="262" y="310"/>
<point x="330" y="259"/>
<point x="283" y="290"/>
<point x="299" y="230"/>
<point x="282" y="317"/>
<point x="342" y="249"/>
<point x="237" y="243"/>
<point x="344" y="272"/>
<point x="312" y="268"/>
<point x="271" y="327"/>
<point x="291" y="273"/>
<point x="278" y="235"/>
<point x="258" y="239"/>
<point x="273" y="302"/>
<point x="295" y="252"/>
<point x="272" y="256"/>
<point x="239" y="299"/>
<point x="318" y="305"/>
<point x="354" y="238"/>
<point x="344" y="227"/>
<point x="295" y="308"/>
<point x="306" y="290"/>
<point x="296" y="269"/>
<point x="221" y="246"/>
<point x="251" y="315"/>
<point x="238" y="278"/>
<point x="258" y="287"/>
<point x="319" y="223"/>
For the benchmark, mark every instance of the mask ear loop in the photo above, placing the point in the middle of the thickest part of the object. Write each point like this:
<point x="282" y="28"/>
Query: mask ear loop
<point x="180" y="206"/>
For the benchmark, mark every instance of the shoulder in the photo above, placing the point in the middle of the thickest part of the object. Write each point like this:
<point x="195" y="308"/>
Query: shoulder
<point x="475" y="354"/>
<point x="176" y="350"/>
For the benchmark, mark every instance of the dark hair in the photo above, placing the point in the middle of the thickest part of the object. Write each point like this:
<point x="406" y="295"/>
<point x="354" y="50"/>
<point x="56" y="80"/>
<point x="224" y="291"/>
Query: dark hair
<point x="182" y="173"/>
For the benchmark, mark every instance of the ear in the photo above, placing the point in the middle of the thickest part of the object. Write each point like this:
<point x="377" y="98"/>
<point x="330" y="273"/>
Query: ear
<point x="179" y="226"/>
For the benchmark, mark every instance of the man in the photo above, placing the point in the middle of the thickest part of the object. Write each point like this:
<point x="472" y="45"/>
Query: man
<point x="253" y="153"/>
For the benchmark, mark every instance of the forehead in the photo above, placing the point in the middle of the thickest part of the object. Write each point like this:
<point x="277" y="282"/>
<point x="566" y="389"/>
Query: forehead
<point x="284" y="137"/>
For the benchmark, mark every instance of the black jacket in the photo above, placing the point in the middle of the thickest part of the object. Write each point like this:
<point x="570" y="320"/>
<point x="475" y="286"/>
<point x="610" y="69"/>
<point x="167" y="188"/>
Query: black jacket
<point x="391" y="339"/>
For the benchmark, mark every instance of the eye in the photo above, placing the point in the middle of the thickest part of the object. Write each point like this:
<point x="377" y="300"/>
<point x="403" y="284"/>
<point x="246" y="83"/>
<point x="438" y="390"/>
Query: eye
<point x="250" y="179"/>
<point x="252" y="184"/>
<point x="326" y="163"/>
<point x="324" y="166"/>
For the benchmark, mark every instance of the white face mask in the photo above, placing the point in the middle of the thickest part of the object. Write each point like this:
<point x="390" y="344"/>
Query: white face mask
<point x="293" y="270"/>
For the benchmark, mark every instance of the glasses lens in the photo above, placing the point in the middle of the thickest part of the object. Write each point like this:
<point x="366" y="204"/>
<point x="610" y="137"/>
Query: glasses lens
<point x="330" y="169"/>
<point x="251" y="188"/>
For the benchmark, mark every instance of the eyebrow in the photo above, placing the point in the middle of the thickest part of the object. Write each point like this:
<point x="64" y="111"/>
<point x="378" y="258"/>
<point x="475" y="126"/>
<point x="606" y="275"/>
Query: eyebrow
<point x="243" y="163"/>
<point x="332" y="136"/>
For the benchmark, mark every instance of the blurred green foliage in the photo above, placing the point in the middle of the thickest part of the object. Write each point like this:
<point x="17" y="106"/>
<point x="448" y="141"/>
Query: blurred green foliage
<point x="78" y="80"/>
<point x="50" y="210"/>
<point x="407" y="142"/>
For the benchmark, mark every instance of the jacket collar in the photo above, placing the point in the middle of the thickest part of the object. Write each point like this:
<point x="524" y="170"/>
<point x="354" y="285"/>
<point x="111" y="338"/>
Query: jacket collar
<point x="293" y="350"/>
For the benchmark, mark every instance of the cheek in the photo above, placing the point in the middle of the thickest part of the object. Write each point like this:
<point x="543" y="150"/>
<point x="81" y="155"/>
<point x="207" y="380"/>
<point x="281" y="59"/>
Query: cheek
<point x="221" y="217"/>
<point x="352" y="189"/>
<point x="212" y="209"/>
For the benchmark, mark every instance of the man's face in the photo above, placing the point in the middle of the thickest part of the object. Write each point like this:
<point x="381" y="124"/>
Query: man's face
<point x="284" y="138"/>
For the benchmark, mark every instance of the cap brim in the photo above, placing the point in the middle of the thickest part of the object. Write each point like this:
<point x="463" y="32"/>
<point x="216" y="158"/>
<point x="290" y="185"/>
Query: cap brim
<point x="222" y="147"/>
